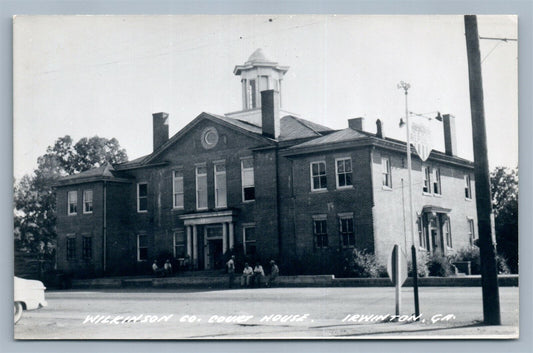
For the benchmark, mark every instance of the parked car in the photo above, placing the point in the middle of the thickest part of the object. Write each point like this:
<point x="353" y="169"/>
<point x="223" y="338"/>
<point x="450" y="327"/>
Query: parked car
<point x="28" y="295"/>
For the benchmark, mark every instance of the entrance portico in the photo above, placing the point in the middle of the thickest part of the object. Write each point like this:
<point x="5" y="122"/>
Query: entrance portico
<point x="436" y="233"/>
<point x="209" y="236"/>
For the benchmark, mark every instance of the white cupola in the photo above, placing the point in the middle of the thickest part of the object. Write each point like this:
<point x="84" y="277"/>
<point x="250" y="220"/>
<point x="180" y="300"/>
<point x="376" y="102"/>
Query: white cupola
<point x="259" y="74"/>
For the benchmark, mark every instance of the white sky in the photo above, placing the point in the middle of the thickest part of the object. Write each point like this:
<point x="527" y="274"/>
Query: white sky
<point x="106" y="75"/>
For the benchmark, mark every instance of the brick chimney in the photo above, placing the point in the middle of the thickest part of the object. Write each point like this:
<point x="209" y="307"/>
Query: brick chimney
<point x="450" y="141"/>
<point x="270" y="113"/>
<point x="356" y="123"/>
<point x="379" y="129"/>
<point x="160" y="129"/>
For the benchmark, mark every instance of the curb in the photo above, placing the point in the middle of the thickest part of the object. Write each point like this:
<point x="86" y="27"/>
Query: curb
<point x="284" y="281"/>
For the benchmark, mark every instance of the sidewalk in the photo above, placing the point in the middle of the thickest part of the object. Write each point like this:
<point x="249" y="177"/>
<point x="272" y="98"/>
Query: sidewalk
<point x="221" y="281"/>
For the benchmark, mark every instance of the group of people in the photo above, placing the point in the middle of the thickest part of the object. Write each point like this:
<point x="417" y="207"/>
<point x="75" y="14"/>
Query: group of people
<point x="166" y="270"/>
<point x="253" y="277"/>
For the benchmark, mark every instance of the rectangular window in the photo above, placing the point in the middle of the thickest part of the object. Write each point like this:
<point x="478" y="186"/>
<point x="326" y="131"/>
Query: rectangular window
<point x="249" y="241"/>
<point x="318" y="176"/>
<point x="87" y="248"/>
<point x="72" y="207"/>
<point x="386" y="172"/>
<point x="472" y="231"/>
<point x="447" y="234"/>
<point x="422" y="240"/>
<point x="320" y="230"/>
<point x="344" y="172"/>
<point x="88" y="201"/>
<point x="247" y="176"/>
<point x="436" y="181"/>
<point x="177" y="189"/>
<point x="201" y="187"/>
<point x="468" y="187"/>
<point x="142" y="247"/>
<point x="179" y="244"/>
<point x="142" y="197"/>
<point x="347" y="232"/>
<point x="71" y="248"/>
<point x="220" y="185"/>
<point x="427" y="180"/>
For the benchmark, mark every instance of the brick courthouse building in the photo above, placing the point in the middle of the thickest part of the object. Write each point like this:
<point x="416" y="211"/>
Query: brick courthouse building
<point x="262" y="179"/>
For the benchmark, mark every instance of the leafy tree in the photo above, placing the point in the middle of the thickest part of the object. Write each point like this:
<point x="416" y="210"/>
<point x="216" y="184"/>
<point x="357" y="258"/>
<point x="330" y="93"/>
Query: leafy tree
<point x="504" y="189"/>
<point x="34" y="199"/>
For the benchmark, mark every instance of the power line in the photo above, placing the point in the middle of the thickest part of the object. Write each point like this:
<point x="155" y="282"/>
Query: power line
<point x="502" y="39"/>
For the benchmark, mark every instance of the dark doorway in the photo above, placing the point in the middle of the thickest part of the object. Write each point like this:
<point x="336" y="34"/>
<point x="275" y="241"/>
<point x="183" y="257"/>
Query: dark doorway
<point x="215" y="254"/>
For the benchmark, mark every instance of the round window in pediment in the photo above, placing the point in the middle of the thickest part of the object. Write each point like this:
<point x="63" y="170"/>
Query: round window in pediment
<point x="209" y="137"/>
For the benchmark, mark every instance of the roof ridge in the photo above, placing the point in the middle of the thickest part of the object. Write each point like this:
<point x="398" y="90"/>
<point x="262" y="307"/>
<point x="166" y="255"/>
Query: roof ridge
<point x="301" y="121"/>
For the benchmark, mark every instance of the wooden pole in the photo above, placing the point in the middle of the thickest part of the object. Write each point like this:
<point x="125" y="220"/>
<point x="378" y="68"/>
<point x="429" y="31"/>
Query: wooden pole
<point x="489" y="271"/>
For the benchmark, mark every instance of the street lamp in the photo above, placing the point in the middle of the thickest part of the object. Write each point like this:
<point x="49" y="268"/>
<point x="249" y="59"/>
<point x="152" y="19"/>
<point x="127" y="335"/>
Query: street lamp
<point x="405" y="86"/>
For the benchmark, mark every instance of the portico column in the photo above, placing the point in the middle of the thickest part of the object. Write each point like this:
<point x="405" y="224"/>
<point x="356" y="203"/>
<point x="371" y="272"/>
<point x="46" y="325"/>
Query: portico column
<point x="231" y="239"/>
<point x="224" y="238"/>
<point x="195" y="246"/>
<point x="189" y="245"/>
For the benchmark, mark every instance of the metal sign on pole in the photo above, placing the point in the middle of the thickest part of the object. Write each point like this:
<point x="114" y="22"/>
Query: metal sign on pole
<point x="421" y="138"/>
<point x="397" y="271"/>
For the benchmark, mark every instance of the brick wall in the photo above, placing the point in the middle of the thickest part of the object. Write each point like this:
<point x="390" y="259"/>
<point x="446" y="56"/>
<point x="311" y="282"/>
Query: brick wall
<point x="305" y="204"/>
<point x="388" y="213"/>
<point x="162" y="220"/>
<point x="78" y="226"/>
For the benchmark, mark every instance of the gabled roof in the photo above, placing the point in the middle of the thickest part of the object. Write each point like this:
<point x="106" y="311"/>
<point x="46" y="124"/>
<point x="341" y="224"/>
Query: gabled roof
<point x="338" y="136"/>
<point x="350" y="138"/>
<point x="104" y="172"/>
<point x="292" y="128"/>
<point x="239" y="125"/>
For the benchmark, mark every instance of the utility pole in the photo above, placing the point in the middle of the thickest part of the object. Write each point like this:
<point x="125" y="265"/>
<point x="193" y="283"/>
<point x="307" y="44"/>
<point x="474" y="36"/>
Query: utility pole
<point x="489" y="271"/>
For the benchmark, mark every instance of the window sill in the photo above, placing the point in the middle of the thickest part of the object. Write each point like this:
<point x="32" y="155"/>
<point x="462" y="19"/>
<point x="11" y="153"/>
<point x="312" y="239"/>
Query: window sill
<point x="319" y="191"/>
<point x="142" y="211"/>
<point x="72" y="214"/>
<point x="221" y="208"/>
<point x="178" y="208"/>
<point x="426" y="193"/>
<point x="91" y="212"/>
<point x="202" y="209"/>
<point x="386" y="188"/>
<point x="345" y="187"/>
<point x="248" y="201"/>
<point x="468" y="199"/>
<point x="141" y="260"/>
<point x="437" y="195"/>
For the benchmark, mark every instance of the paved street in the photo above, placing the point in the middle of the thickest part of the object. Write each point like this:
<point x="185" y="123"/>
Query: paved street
<point x="265" y="313"/>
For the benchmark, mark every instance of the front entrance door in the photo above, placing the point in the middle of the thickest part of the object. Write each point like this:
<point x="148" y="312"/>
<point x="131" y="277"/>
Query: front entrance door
<point x="215" y="254"/>
<point x="436" y="234"/>
<point x="213" y="247"/>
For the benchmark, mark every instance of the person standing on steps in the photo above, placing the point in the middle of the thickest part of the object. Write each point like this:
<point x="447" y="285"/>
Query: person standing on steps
<point x="231" y="270"/>
<point x="274" y="273"/>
